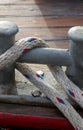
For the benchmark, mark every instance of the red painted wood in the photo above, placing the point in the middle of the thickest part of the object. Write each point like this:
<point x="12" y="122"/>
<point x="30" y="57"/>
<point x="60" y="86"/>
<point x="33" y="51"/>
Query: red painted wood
<point x="17" y="120"/>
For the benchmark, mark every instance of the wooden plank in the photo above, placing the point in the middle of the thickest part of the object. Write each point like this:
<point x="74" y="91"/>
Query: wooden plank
<point x="55" y="37"/>
<point x="29" y="110"/>
<point x="54" y="9"/>
<point x="53" y="22"/>
<point x="7" y="1"/>
<point x="44" y="33"/>
<point x="36" y="1"/>
<point x="64" y="44"/>
<point x="16" y="2"/>
<point x="43" y="16"/>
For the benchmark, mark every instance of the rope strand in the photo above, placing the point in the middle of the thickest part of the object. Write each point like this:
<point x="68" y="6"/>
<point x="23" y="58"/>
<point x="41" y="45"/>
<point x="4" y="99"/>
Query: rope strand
<point x="63" y="105"/>
<point x="70" y="88"/>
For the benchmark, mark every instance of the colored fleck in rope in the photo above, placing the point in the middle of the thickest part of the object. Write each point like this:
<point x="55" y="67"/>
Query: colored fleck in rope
<point x="71" y="89"/>
<point x="63" y="105"/>
<point x="19" y="48"/>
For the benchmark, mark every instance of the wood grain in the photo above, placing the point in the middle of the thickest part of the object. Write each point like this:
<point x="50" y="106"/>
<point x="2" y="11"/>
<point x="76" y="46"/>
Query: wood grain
<point x="46" y="19"/>
<point x="42" y="10"/>
<point x="47" y="22"/>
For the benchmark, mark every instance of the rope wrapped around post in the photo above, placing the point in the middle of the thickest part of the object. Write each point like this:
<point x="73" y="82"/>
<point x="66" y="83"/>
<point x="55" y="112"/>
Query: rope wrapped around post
<point x="18" y="49"/>
<point x="23" y="46"/>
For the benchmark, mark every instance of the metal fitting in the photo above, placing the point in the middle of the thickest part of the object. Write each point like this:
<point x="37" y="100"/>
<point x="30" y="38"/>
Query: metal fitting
<point x="7" y="39"/>
<point x="75" y="71"/>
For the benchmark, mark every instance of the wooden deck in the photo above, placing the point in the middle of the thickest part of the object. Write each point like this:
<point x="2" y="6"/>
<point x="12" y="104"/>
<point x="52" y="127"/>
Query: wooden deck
<point x="48" y="19"/>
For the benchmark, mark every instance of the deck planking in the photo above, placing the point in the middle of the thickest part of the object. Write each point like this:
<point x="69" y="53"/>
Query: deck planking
<point x="48" y="19"/>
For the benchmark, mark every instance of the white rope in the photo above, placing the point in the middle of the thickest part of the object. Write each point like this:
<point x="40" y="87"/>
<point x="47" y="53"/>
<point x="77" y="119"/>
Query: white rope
<point x="23" y="46"/>
<point x="70" y="88"/>
<point x="63" y="105"/>
<point x="19" y="49"/>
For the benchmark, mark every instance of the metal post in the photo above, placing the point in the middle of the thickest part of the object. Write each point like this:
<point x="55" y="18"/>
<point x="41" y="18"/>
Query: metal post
<point x="75" y="71"/>
<point x="7" y="39"/>
<point x="52" y="56"/>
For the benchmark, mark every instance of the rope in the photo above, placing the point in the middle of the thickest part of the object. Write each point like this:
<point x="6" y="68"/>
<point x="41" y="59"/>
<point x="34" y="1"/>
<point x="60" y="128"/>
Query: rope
<point x="70" y="88"/>
<point x="63" y="105"/>
<point x="20" y="48"/>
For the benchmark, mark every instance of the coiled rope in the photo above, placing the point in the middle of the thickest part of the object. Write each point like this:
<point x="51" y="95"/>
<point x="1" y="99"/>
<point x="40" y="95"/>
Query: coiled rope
<point x="21" y="48"/>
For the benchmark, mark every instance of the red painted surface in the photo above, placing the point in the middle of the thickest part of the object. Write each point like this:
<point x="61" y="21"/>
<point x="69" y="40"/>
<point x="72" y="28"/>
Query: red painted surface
<point x="17" y="120"/>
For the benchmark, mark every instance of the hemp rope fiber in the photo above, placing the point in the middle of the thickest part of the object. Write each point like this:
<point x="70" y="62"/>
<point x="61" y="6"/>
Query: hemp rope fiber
<point x="21" y="48"/>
